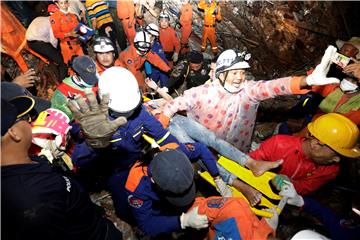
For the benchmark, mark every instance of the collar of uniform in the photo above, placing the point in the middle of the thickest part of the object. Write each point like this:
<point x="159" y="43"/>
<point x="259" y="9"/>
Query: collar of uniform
<point x="41" y="165"/>
<point x="300" y="152"/>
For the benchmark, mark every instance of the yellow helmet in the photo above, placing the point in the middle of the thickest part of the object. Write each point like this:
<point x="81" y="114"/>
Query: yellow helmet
<point x="338" y="132"/>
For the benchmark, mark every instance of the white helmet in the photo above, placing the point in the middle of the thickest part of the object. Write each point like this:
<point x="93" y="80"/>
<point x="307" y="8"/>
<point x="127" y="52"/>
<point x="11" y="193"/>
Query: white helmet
<point x="164" y="15"/>
<point x="308" y="234"/>
<point x="152" y="29"/>
<point x="123" y="90"/>
<point x="142" y="42"/>
<point x="103" y="45"/>
<point x="232" y="59"/>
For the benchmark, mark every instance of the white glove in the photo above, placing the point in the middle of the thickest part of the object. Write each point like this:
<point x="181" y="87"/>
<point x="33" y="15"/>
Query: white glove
<point x="289" y="191"/>
<point x="175" y="57"/>
<point x="193" y="219"/>
<point x="318" y="77"/>
<point x="165" y="89"/>
<point x="51" y="150"/>
<point x="222" y="188"/>
<point x="274" y="221"/>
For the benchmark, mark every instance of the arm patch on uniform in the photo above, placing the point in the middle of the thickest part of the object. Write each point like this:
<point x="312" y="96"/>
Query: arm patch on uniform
<point x="52" y="21"/>
<point x="216" y="203"/>
<point x="135" y="202"/>
<point x="190" y="147"/>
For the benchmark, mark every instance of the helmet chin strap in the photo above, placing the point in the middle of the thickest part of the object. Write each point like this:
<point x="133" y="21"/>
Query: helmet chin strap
<point x="223" y="83"/>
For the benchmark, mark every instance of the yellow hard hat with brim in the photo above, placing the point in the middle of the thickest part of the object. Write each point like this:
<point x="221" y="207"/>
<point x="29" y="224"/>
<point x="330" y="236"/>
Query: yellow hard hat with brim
<point x="338" y="132"/>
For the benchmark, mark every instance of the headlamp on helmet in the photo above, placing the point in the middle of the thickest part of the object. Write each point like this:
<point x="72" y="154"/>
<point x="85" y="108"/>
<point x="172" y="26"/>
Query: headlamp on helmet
<point x="232" y="59"/>
<point x="152" y="29"/>
<point x="103" y="45"/>
<point x="164" y="15"/>
<point x="142" y="42"/>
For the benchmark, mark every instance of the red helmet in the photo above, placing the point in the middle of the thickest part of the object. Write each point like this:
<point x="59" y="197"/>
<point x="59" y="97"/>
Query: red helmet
<point x="52" y="8"/>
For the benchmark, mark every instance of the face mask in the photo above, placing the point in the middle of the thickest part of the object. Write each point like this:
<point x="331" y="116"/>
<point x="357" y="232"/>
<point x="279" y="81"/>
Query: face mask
<point x="347" y="86"/>
<point x="79" y="82"/>
<point x="231" y="89"/>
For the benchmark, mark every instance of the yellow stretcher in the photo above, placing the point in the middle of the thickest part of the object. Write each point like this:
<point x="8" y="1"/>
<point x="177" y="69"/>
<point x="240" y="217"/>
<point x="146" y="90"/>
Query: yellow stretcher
<point x="261" y="183"/>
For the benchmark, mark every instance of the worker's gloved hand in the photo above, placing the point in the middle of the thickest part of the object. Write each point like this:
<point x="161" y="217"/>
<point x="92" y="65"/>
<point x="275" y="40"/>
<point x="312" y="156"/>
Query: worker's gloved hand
<point x="293" y="198"/>
<point x="222" y="188"/>
<point x="175" y="57"/>
<point x="274" y="221"/>
<point x="164" y="120"/>
<point x="94" y="119"/>
<point x="52" y="150"/>
<point x="151" y="84"/>
<point x="193" y="219"/>
<point x="165" y="89"/>
<point x="318" y="76"/>
<point x="278" y="181"/>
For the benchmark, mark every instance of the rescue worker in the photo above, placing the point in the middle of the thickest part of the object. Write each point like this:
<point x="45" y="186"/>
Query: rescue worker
<point x="63" y="24"/>
<point x="168" y="39"/>
<point x="332" y="137"/>
<point x="85" y="77"/>
<point x="101" y="20"/>
<point x="126" y="14"/>
<point x="104" y="54"/>
<point x="40" y="38"/>
<point x="211" y="14"/>
<point x="153" y="72"/>
<point x="189" y="73"/>
<point x="186" y="25"/>
<point x="134" y="56"/>
<point x="126" y="141"/>
<point x="37" y="201"/>
<point x="343" y="98"/>
<point x="161" y="193"/>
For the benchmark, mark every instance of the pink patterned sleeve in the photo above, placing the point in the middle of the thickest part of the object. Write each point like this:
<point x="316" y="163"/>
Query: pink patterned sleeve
<point x="182" y="103"/>
<point x="261" y="90"/>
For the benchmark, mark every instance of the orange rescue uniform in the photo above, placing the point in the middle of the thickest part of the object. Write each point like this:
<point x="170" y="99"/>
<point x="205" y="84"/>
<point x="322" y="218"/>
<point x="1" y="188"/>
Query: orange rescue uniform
<point x="62" y="24"/>
<point x="126" y="14"/>
<point x="170" y="42"/>
<point x="211" y="15"/>
<point x="231" y="218"/>
<point x="131" y="60"/>
<point x="186" y="27"/>
<point x="100" y="69"/>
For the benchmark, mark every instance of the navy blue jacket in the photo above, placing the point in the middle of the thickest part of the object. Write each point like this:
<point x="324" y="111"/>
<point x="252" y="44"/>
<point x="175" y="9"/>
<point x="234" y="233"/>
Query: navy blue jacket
<point x="126" y="144"/>
<point x="146" y="206"/>
<point x="40" y="203"/>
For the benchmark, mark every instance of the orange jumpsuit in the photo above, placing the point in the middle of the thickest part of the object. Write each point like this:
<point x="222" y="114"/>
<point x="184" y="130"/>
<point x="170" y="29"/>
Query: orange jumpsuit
<point x="212" y="14"/>
<point x="100" y="69"/>
<point x="12" y="37"/>
<point x="170" y="42"/>
<point x="126" y="14"/>
<point x="131" y="60"/>
<point x="61" y="24"/>
<point x="231" y="218"/>
<point x="186" y="27"/>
